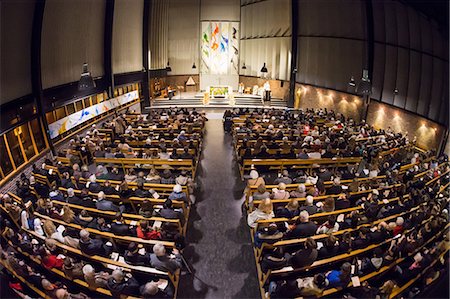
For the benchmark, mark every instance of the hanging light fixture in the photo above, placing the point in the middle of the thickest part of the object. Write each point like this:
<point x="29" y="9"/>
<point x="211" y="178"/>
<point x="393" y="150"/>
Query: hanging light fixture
<point x="194" y="66"/>
<point x="86" y="82"/>
<point x="352" y="82"/>
<point x="243" y="66"/>
<point x="168" y="68"/>
<point x="264" y="68"/>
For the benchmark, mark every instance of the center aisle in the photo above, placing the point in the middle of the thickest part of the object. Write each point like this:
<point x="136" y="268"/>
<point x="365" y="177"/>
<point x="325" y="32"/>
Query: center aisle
<point x="219" y="247"/>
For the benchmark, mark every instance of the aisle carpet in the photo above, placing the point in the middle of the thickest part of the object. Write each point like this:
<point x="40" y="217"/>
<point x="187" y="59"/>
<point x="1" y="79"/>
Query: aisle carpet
<point x="219" y="247"/>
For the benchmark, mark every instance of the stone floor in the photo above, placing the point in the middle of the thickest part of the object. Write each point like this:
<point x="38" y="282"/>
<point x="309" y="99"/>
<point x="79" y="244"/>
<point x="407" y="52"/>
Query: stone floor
<point x="219" y="247"/>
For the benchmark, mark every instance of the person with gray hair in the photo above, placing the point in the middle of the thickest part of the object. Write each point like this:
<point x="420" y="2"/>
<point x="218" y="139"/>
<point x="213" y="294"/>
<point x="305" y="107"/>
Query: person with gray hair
<point x="161" y="261"/>
<point x="121" y="284"/>
<point x="151" y="290"/>
<point x="178" y="194"/>
<point x="284" y="178"/>
<point x="309" y="205"/>
<point x="93" y="246"/>
<point x="107" y="205"/>
<point x="303" y="227"/>
<point x="72" y="198"/>
<point x="336" y="188"/>
<point x="300" y="192"/>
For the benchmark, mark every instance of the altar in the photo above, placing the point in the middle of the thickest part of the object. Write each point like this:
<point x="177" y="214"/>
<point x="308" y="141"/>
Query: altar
<point x="219" y="91"/>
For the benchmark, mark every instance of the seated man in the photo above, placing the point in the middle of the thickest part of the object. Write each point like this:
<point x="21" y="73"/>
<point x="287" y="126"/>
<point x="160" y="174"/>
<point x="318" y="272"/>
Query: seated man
<point x="93" y="246"/>
<point x="133" y="257"/>
<point x="178" y="194"/>
<point x="120" y="228"/>
<point x="72" y="198"/>
<point x="303" y="227"/>
<point x="169" y="212"/>
<point x="121" y="284"/>
<point x="161" y="261"/>
<point x="151" y="290"/>
<point x="106" y="205"/>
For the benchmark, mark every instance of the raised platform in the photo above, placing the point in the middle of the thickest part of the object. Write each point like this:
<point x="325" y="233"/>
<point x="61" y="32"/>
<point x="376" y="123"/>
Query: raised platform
<point x="195" y="99"/>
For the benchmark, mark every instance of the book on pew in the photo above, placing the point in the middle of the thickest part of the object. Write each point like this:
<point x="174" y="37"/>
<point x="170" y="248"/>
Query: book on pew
<point x="156" y="195"/>
<point x="157" y="224"/>
<point x="133" y="223"/>
<point x="319" y="245"/>
<point x="115" y="256"/>
<point x="355" y="281"/>
<point x="162" y="284"/>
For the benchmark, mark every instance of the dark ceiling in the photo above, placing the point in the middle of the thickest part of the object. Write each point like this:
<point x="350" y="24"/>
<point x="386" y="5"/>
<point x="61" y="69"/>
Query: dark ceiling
<point x="435" y="9"/>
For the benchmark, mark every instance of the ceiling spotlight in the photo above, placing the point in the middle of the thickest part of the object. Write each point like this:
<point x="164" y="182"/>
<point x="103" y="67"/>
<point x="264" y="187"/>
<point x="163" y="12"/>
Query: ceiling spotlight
<point x="264" y="68"/>
<point x="86" y="82"/>
<point x="168" y="68"/>
<point x="396" y="91"/>
<point x="243" y="66"/>
<point x="194" y="66"/>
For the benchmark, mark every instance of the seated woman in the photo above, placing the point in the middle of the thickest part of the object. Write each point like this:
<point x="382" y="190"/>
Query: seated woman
<point x="289" y="211"/>
<point x="269" y="234"/>
<point x="280" y="192"/>
<point x="264" y="211"/>
<point x="261" y="193"/>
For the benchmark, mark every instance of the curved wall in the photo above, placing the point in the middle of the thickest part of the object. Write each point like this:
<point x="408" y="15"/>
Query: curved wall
<point x="72" y="33"/>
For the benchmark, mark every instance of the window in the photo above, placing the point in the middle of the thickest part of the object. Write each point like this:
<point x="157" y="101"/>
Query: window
<point x="87" y="102"/>
<point x="38" y="135"/>
<point x="14" y="147"/>
<point x="25" y="139"/>
<point x="79" y="105"/>
<point x="50" y="117"/>
<point x="60" y="113"/>
<point x="70" y="108"/>
<point x="5" y="162"/>
<point x="100" y="98"/>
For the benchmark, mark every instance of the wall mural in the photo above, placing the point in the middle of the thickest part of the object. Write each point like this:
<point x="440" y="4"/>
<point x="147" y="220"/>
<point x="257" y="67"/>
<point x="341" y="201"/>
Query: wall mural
<point x="220" y="48"/>
<point x="64" y="124"/>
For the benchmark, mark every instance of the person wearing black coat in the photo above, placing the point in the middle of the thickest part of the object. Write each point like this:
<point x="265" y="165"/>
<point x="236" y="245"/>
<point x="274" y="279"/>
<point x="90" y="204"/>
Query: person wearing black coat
<point x="93" y="246"/>
<point x="119" y="284"/>
<point x="303" y="227"/>
<point x="168" y="212"/>
<point x="118" y="227"/>
<point x="329" y="248"/>
<point x="133" y="257"/>
<point x="306" y="256"/>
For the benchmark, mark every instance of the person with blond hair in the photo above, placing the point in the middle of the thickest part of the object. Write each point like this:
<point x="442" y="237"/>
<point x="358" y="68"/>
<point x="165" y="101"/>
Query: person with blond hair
<point x="68" y="215"/>
<point x="264" y="211"/>
<point x="288" y="211"/>
<point x="280" y="192"/>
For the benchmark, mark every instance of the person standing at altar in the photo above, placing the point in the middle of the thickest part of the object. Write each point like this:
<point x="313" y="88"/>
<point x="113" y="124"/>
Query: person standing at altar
<point x="266" y="92"/>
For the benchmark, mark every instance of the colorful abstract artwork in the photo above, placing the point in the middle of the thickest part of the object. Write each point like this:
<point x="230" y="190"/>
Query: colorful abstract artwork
<point x="219" y="48"/>
<point x="71" y="121"/>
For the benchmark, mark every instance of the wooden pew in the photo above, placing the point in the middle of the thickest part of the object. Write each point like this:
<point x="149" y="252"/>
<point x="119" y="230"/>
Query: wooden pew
<point x="107" y="235"/>
<point x="127" y="163"/>
<point x="5" y="264"/>
<point x="280" y="164"/>
<point x="384" y="269"/>
<point x="111" y="214"/>
<point x="174" y="278"/>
